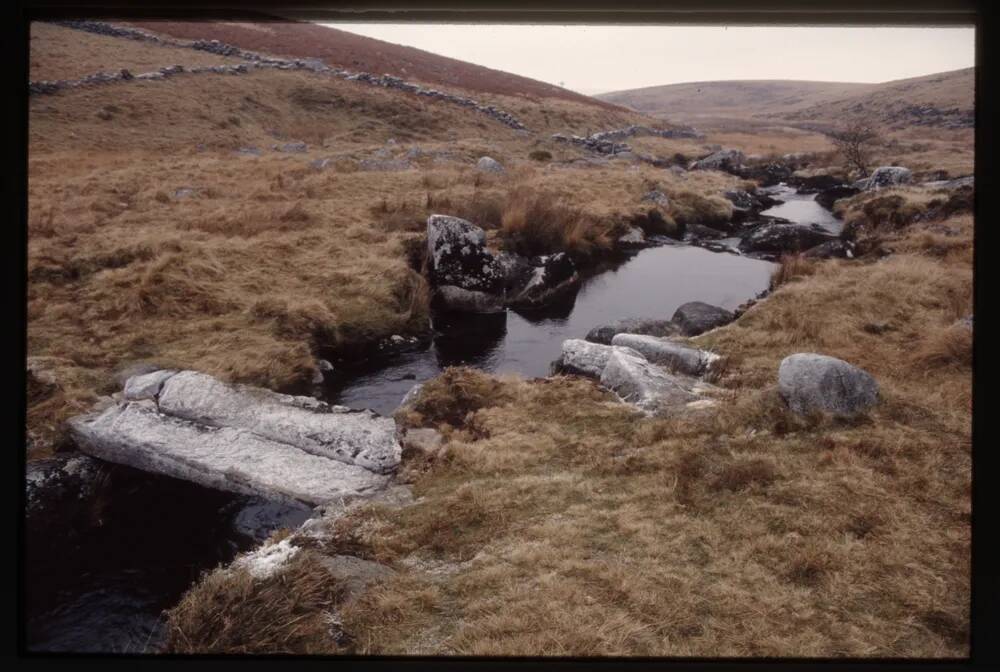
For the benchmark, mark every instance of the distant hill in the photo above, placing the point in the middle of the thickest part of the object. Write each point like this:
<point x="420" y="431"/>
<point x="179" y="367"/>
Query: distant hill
<point x="942" y="99"/>
<point x="342" y="49"/>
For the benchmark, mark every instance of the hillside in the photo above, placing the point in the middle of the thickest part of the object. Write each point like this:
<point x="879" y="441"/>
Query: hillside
<point x="943" y="99"/>
<point x="343" y="49"/>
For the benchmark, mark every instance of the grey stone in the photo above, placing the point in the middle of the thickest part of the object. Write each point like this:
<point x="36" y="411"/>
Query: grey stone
<point x="811" y="382"/>
<point x="725" y="159"/>
<point x="462" y="300"/>
<point x="673" y="355"/>
<point x="552" y="277"/>
<point x="635" y="236"/>
<point x="146" y="386"/>
<point x="489" y="165"/>
<point x="584" y="358"/>
<point x="637" y="381"/>
<point x="696" y="317"/>
<point x="423" y="441"/>
<point x="632" y="325"/>
<point x="361" y="438"/>
<point x="458" y="256"/>
<point x="779" y="237"/>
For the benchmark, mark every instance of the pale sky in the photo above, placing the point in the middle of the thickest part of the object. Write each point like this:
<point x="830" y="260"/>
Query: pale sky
<point x="596" y="59"/>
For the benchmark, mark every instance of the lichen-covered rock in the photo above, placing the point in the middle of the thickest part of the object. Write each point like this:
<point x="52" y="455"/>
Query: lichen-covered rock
<point x="468" y="300"/>
<point x="458" y="256"/>
<point x="584" y="358"/>
<point x="632" y="325"/>
<point x="696" y="317"/>
<point x="354" y="437"/>
<point x="829" y="196"/>
<point x="552" y="277"/>
<point x="810" y="382"/>
<point x="637" y="381"/>
<point x="673" y="355"/>
<point x="55" y="487"/>
<point x="833" y="249"/>
<point x="778" y="238"/>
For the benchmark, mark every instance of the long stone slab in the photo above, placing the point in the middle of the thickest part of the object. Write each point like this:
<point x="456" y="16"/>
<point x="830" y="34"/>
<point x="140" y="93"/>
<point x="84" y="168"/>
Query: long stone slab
<point x="358" y="437"/>
<point x="235" y="459"/>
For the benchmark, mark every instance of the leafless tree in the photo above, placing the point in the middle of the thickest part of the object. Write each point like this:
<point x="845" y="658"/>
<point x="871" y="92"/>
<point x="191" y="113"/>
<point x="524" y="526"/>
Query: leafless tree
<point x="856" y="141"/>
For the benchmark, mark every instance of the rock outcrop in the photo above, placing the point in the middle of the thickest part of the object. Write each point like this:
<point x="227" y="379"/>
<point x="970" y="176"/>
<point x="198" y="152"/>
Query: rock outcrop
<point x="248" y="440"/>
<point x="468" y="277"/>
<point x="729" y="160"/>
<point x="810" y="382"/>
<point x="489" y="165"/>
<point x="583" y="358"/>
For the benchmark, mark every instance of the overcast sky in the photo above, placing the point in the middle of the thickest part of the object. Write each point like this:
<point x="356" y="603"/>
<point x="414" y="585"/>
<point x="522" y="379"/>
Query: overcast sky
<point x="596" y="59"/>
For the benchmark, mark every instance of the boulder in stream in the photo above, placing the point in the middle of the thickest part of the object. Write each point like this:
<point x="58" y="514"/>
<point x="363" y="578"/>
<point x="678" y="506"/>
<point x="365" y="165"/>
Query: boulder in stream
<point x="697" y="317"/>
<point x="552" y="276"/>
<point x="778" y="238"/>
<point x="459" y="259"/>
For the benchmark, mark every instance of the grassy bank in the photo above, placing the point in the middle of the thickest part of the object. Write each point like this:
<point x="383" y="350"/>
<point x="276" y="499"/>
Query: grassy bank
<point x="557" y="521"/>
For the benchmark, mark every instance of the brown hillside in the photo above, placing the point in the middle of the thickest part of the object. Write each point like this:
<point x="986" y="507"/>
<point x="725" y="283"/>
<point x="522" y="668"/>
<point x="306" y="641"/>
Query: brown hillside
<point x="949" y="95"/>
<point x="342" y="49"/>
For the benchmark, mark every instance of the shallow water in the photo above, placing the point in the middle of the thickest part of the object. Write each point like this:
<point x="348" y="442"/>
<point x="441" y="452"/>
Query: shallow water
<point x="802" y="209"/>
<point x="653" y="283"/>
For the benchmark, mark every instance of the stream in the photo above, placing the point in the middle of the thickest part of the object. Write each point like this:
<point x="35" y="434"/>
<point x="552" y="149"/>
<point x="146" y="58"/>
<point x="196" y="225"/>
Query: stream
<point x="103" y="587"/>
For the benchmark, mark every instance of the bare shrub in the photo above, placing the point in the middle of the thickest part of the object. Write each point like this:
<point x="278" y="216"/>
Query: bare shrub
<point x="856" y="142"/>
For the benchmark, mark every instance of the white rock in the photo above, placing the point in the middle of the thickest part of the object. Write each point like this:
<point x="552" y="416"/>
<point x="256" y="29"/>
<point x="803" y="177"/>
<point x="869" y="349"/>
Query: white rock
<point x="146" y="386"/>
<point x="354" y="437"/>
<point x="673" y="355"/>
<point x="584" y="358"/>
<point x="225" y="458"/>
<point x="647" y="386"/>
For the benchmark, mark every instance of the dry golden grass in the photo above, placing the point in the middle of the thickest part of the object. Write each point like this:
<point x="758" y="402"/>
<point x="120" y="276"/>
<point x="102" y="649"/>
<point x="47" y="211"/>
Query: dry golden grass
<point x="236" y="613"/>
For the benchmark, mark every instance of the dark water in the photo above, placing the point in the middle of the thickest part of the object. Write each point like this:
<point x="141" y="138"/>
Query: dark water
<point x="101" y="584"/>
<point x="802" y="209"/>
<point x="653" y="283"/>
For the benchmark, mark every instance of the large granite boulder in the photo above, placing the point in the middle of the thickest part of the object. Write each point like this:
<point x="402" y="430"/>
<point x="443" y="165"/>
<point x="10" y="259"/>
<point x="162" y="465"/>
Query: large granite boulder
<point x="637" y="381"/>
<point x="779" y="238"/>
<point x="809" y="382"/>
<point x="696" y="317"/>
<point x="243" y="439"/>
<point x="883" y="177"/>
<point x="675" y="356"/>
<point x="584" y="358"/>
<point x="459" y="259"/>
<point x="632" y="325"/>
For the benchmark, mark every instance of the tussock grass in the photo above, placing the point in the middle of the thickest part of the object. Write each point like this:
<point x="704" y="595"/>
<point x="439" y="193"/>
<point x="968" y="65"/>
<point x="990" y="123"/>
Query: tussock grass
<point x="790" y="267"/>
<point x="233" y="612"/>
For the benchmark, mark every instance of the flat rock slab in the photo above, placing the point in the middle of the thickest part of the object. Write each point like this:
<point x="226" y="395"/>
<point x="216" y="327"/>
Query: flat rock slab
<point x="355" y="437"/>
<point x="673" y="355"/>
<point x="225" y="458"/>
<point x="809" y="382"/>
